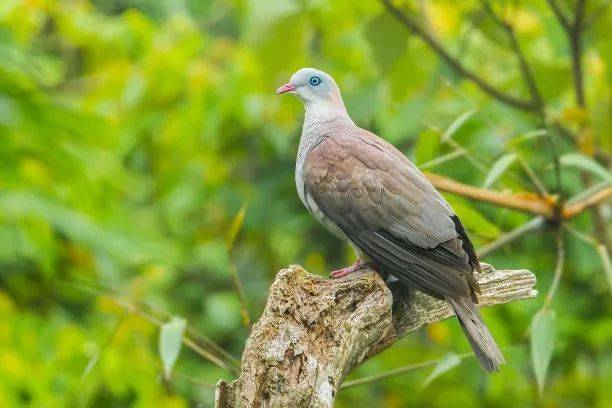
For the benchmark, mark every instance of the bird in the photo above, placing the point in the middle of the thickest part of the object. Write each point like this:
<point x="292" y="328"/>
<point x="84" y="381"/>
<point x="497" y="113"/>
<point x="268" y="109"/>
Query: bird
<point x="369" y="194"/>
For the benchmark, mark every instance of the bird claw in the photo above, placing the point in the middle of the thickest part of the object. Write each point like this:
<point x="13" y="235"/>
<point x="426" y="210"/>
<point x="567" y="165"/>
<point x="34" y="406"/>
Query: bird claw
<point x="340" y="273"/>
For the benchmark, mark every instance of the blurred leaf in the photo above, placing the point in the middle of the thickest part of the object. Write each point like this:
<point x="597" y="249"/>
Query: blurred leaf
<point x="387" y="39"/>
<point x="90" y="364"/>
<point x="427" y="146"/>
<point x="442" y="159"/>
<point x="456" y="124"/>
<point x="574" y="115"/>
<point x="604" y="256"/>
<point x="448" y="362"/>
<point x="524" y="137"/>
<point x="498" y="168"/>
<point x="170" y="342"/>
<point x="235" y="227"/>
<point x="585" y="163"/>
<point x="492" y="30"/>
<point x="473" y="220"/>
<point x="542" y="344"/>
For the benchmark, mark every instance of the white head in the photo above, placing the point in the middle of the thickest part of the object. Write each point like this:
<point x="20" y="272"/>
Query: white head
<point x="315" y="88"/>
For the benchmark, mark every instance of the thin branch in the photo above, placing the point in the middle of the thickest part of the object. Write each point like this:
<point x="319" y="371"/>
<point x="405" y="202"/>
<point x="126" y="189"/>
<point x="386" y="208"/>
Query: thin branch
<point x="528" y="202"/>
<point x="396" y="371"/>
<point x="594" y="189"/>
<point x="244" y="311"/>
<point x="508" y="237"/>
<point x="563" y="20"/>
<point x="578" y="207"/>
<point x="457" y="147"/>
<point x="546" y="206"/>
<point x="526" y="72"/>
<point x="581" y="235"/>
<point x="557" y="166"/>
<point x="176" y="373"/>
<point x="468" y="155"/>
<point x="235" y="227"/>
<point x="442" y="159"/>
<point x="535" y="180"/>
<point x="599" y="247"/>
<point x="407" y="368"/>
<point x="575" y="36"/>
<point x="223" y="360"/>
<point x="455" y="64"/>
<point x="558" y="270"/>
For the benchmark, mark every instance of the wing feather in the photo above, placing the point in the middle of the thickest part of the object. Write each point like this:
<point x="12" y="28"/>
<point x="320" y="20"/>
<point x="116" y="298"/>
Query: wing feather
<point x="388" y="209"/>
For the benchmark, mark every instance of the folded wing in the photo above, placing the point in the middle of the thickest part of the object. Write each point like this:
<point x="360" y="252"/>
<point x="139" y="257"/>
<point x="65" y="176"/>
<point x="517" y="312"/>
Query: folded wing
<point x="387" y="208"/>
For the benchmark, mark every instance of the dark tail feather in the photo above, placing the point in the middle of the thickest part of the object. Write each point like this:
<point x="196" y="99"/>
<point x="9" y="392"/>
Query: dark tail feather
<point x="478" y="334"/>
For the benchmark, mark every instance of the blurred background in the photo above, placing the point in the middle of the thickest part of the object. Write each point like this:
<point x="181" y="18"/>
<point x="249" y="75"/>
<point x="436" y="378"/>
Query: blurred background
<point x="146" y="173"/>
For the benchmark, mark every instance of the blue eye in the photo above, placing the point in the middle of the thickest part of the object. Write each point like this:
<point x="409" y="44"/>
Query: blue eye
<point x="314" y="81"/>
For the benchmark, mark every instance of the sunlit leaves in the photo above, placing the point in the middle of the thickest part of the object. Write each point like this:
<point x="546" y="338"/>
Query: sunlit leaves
<point x="542" y="343"/>
<point x="170" y="342"/>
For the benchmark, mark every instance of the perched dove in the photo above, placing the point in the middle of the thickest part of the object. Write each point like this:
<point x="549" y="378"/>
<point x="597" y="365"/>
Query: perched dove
<point x="366" y="192"/>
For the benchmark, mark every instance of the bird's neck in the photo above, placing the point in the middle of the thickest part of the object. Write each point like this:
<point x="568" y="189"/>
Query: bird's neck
<point x="320" y="116"/>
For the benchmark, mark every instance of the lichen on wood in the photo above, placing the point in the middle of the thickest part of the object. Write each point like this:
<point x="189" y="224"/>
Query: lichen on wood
<point x="314" y="331"/>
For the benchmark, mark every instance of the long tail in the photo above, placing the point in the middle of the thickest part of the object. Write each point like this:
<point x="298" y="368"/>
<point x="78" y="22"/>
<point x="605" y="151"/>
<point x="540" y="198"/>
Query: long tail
<point x="485" y="349"/>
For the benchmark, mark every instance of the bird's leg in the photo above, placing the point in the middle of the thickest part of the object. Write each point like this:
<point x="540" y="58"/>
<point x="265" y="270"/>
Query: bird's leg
<point x="357" y="265"/>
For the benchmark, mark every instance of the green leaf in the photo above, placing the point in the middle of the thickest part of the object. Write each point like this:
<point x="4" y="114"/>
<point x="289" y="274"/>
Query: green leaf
<point x="447" y="362"/>
<point x="387" y="39"/>
<point x="542" y="343"/>
<point x="524" y="137"/>
<point x="604" y="256"/>
<point x="427" y="146"/>
<point x="585" y="163"/>
<point x="170" y="342"/>
<point x="473" y="219"/>
<point x="457" y="123"/>
<point x="498" y="168"/>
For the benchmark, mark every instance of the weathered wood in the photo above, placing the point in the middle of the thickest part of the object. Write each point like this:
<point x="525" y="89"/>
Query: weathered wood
<point x="315" y="331"/>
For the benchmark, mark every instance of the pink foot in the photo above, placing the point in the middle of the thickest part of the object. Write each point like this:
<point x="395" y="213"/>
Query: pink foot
<point x="340" y="273"/>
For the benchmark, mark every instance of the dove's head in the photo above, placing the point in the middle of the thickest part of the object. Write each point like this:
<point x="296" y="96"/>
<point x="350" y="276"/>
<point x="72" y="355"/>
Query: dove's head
<point x="313" y="87"/>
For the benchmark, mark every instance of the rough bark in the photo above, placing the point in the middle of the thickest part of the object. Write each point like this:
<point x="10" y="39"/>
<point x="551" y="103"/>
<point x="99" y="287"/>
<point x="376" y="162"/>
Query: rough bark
<point x="314" y="332"/>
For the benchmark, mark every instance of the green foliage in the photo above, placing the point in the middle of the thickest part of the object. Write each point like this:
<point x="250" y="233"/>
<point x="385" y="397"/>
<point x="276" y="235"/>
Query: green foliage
<point x="448" y="362"/>
<point x="133" y="132"/>
<point x="542" y="344"/>
<point x="170" y="342"/>
<point x="498" y="168"/>
<point x="585" y="163"/>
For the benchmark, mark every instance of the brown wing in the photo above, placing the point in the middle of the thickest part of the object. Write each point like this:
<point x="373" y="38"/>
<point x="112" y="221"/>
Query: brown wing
<point x="387" y="207"/>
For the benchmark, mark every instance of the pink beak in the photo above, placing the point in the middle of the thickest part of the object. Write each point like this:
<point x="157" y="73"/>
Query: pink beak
<point x="285" y="88"/>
